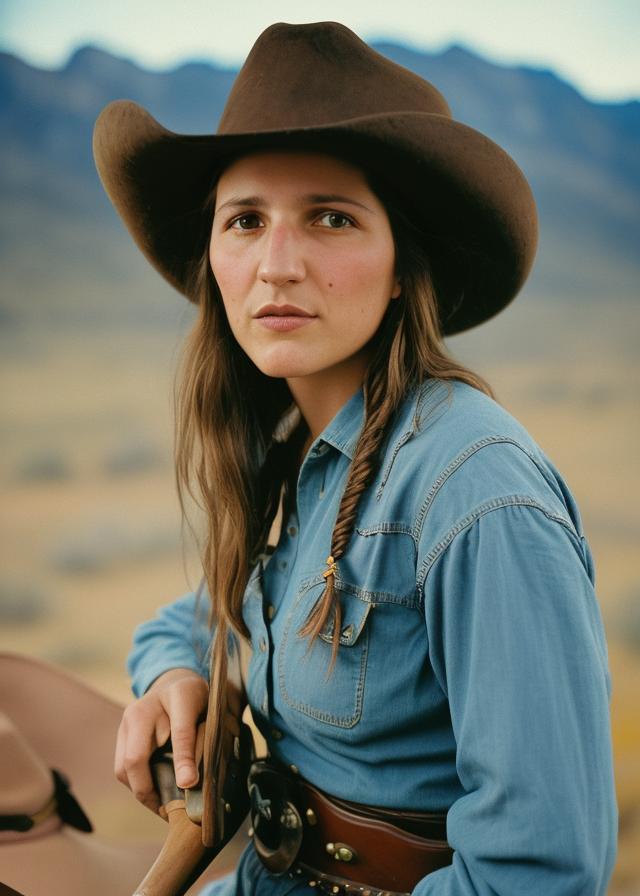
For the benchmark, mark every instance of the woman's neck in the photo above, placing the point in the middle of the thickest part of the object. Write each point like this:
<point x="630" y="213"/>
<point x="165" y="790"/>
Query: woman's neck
<point x="320" y="396"/>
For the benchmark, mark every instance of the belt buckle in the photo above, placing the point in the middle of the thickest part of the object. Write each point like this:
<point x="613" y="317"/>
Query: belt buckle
<point x="276" y="822"/>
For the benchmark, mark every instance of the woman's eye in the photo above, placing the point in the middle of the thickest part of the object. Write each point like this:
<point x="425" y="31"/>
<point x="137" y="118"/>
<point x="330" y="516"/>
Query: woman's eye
<point x="336" y="220"/>
<point x="246" y="222"/>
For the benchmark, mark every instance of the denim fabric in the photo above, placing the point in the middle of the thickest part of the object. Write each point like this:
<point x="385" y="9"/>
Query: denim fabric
<point x="472" y="674"/>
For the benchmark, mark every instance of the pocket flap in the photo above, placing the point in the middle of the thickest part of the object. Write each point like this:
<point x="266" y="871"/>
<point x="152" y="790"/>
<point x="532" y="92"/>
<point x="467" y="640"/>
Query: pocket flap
<point x="354" y="615"/>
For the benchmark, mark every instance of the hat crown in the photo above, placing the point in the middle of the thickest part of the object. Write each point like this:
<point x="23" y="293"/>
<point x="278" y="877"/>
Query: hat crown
<point x="320" y="73"/>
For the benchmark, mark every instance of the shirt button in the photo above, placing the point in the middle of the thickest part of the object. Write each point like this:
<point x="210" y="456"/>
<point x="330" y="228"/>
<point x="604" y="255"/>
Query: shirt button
<point x="283" y="564"/>
<point x="276" y="734"/>
<point x="263" y="645"/>
<point x="271" y="611"/>
<point x="292" y="530"/>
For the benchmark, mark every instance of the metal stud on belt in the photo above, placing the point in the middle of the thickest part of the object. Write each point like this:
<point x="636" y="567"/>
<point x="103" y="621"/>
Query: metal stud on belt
<point x="326" y="884"/>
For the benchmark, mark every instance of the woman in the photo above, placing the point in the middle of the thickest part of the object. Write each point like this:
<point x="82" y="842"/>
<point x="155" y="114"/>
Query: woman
<point x="425" y="633"/>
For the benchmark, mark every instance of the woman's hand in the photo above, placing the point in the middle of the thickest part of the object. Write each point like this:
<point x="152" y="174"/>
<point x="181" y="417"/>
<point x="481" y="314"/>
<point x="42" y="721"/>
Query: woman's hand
<point x="172" y="707"/>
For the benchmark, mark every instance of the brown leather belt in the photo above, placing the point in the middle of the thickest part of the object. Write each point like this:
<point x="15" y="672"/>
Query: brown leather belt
<point x="337" y="845"/>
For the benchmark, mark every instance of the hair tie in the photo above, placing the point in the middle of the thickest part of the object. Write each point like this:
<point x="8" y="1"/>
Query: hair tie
<point x="332" y="567"/>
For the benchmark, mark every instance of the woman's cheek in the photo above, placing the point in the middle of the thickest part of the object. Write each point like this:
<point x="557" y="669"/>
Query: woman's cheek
<point x="226" y="261"/>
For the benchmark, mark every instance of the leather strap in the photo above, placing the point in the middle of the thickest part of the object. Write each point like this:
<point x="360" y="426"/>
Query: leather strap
<point x="349" y="850"/>
<point x="340" y="846"/>
<point x="428" y="825"/>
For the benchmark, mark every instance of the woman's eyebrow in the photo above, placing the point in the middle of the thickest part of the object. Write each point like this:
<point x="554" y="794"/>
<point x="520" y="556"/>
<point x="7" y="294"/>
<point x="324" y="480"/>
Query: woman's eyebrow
<point x="333" y="197"/>
<point x="258" y="201"/>
<point x="241" y="202"/>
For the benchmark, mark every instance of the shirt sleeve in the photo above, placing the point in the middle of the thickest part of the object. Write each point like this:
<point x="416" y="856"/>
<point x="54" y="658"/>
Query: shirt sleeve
<point x="517" y="643"/>
<point x="177" y="637"/>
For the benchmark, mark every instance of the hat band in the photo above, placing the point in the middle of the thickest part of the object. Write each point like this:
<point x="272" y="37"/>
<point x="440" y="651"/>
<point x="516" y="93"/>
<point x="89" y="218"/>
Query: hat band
<point x="26" y="824"/>
<point x="49" y="826"/>
<point x="61" y="807"/>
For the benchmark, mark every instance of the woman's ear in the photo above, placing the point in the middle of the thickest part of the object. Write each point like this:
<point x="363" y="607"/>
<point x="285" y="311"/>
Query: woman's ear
<point x="397" y="288"/>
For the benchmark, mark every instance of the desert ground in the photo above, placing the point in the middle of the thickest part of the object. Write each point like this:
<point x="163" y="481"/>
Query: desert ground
<point x="90" y="525"/>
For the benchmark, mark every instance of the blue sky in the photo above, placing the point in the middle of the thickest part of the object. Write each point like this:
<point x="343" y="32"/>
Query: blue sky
<point x="592" y="44"/>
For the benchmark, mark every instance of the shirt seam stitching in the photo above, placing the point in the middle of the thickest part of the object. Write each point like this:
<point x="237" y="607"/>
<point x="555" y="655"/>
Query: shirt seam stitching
<point x="455" y="464"/>
<point x="469" y="519"/>
<point x="423" y="391"/>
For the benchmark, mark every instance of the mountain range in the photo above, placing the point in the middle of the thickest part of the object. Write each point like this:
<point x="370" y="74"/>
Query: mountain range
<point x="66" y="259"/>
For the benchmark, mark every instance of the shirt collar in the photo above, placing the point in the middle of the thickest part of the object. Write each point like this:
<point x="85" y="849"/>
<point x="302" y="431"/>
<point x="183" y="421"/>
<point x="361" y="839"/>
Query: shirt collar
<point x="344" y="430"/>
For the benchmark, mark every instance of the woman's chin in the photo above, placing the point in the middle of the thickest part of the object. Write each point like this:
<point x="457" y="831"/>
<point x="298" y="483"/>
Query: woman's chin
<point x="285" y="368"/>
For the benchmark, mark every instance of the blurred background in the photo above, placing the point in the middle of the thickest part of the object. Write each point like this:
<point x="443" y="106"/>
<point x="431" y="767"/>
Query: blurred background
<point x="90" y="334"/>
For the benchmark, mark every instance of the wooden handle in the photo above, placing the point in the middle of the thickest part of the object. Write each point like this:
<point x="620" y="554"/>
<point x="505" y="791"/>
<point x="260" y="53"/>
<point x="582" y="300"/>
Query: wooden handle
<point x="182" y="858"/>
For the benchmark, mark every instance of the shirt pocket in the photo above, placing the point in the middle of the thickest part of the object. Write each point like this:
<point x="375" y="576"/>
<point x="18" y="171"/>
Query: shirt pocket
<point x="303" y="668"/>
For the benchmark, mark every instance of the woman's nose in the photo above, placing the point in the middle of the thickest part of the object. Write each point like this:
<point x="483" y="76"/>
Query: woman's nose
<point x="281" y="259"/>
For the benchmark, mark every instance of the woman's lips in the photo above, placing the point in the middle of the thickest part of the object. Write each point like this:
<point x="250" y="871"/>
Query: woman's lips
<point x="284" y="322"/>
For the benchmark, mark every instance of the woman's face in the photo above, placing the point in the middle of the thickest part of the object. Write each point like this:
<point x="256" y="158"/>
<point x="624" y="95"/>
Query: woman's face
<point x="304" y="230"/>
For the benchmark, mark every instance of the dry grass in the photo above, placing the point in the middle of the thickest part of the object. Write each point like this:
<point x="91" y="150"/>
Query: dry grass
<point x="81" y="403"/>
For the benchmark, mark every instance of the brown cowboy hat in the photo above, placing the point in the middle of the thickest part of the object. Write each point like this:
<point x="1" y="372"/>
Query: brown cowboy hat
<point x="319" y="86"/>
<point x="60" y="803"/>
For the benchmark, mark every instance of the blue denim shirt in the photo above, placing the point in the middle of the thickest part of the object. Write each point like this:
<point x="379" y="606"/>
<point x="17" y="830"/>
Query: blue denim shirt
<point x="472" y="674"/>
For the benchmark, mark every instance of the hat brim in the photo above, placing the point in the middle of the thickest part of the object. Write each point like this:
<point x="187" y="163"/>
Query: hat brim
<point x="73" y="728"/>
<point x="68" y="862"/>
<point x="462" y="189"/>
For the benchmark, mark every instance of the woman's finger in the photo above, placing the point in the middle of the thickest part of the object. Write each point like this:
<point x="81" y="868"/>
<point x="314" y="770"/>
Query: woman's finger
<point x="139" y="742"/>
<point x="184" y="710"/>
<point x="163" y="729"/>
<point x="118" y="759"/>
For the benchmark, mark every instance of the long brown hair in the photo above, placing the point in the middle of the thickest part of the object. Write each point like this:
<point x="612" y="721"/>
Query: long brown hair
<point x="238" y="433"/>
